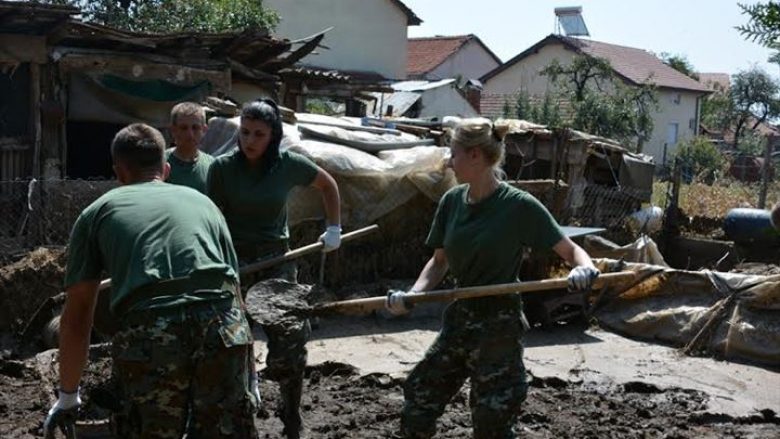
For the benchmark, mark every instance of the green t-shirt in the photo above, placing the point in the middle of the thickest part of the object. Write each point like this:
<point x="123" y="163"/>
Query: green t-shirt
<point x="254" y="199"/>
<point x="190" y="174"/>
<point x="484" y="241"/>
<point x="148" y="232"/>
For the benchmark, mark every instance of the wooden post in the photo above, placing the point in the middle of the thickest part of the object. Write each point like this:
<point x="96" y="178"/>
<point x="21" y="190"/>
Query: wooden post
<point x="35" y="110"/>
<point x="770" y="144"/>
<point x="671" y="216"/>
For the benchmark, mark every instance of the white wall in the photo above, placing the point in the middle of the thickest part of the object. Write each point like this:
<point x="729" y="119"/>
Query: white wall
<point x="471" y="62"/>
<point x="671" y="112"/>
<point x="525" y="75"/>
<point x="445" y="101"/>
<point x="369" y="35"/>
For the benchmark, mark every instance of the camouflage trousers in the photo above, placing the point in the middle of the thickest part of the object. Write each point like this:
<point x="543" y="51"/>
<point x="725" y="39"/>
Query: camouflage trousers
<point x="184" y="365"/>
<point x="482" y="344"/>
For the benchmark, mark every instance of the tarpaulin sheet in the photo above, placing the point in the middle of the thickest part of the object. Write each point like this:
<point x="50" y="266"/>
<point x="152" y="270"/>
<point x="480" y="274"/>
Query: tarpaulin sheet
<point x="371" y="185"/>
<point x="112" y="100"/>
<point x="735" y="316"/>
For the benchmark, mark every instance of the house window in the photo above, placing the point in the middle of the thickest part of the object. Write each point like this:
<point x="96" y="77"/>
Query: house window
<point x="671" y="133"/>
<point x="675" y="98"/>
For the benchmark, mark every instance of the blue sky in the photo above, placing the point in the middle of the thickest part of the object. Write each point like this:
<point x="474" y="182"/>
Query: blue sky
<point x="702" y="30"/>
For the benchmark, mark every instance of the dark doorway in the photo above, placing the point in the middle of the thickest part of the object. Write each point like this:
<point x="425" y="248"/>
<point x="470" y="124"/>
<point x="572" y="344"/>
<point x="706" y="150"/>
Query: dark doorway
<point x="89" y="149"/>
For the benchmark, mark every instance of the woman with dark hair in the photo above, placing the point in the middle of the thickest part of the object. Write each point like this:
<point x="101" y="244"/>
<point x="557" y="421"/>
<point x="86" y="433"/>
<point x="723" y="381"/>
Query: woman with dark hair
<point x="251" y="186"/>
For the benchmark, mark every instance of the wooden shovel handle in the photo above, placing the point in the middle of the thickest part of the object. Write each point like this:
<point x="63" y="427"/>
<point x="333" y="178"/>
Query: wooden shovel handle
<point x="289" y="256"/>
<point x="373" y="303"/>
<point x="303" y="251"/>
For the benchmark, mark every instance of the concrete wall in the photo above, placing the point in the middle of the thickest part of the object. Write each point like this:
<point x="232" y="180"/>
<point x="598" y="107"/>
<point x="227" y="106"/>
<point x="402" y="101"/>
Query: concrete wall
<point x="445" y="101"/>
<point x="674" y="107"/>
<point x="369" y="35"/>
<point x="470" y="62"/>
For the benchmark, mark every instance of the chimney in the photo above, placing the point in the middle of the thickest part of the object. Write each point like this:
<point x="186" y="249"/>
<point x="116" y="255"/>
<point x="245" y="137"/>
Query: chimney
<point x="474" y="93"/>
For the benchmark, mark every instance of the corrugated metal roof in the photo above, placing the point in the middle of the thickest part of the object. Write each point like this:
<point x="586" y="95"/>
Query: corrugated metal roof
<point x="401" y="102"/>
<point x="421" y="85"/>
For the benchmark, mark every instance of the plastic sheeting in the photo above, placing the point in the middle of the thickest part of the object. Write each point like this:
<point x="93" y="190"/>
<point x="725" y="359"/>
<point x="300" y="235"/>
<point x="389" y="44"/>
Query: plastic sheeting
<point x="371" y="185"/>
<point x="643" y="250"/>
<point x="735" y="316"/>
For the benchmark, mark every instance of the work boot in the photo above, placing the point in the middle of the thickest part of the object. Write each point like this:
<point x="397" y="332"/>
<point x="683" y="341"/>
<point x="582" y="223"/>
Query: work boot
<point x="291" y="408"/>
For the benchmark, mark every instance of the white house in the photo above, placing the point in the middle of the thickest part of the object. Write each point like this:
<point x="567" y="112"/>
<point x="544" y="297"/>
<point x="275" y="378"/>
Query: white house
<point x="424" y="99"/>
<point x="458" y="56"/>
<point x="367" y="35"/>
<point x="679" y="96"/>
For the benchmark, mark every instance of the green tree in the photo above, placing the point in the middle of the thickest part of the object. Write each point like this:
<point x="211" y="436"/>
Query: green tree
<point x="700" y="157"/>
<point x="583" y="72"/>
<point x="717" y="110"/>
<point x="523" y="106"/>
<point x="506" y="110"/>
<point x="169" y="16"/>
<point x="549" y="113"/>
<point x="754" y="100"/>
<point x="679" y="63"/>
<point x="763" y="24"/>
<point x="603" y="105"/>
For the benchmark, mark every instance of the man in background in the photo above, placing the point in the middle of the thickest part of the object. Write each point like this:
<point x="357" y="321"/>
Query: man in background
<point x="189" y="165"/>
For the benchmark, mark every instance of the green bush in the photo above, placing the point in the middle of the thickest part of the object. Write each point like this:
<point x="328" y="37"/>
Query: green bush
<point x="699" y="157"/>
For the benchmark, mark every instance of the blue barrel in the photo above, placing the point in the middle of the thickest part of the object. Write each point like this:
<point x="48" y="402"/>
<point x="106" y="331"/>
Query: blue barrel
<point x="750" y="226"/>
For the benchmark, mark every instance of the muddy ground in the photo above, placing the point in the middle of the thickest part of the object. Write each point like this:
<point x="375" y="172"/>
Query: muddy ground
<point x="354" y="401"/>
<point x="339" y="402"/>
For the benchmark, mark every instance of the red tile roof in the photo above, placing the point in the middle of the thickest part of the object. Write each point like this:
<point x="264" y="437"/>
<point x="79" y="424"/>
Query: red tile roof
<point x="634" y="65"/>
<point x="425" y="54"/>
<point x="716" y="81"/>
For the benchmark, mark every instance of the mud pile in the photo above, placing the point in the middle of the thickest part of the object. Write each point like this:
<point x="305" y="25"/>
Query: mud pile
<point x="26" y="283"/>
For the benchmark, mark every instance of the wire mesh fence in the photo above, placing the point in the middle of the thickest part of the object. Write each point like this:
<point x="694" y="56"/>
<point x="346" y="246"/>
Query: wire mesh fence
<point x="605" y="206"/>
<point x="42" y="212"/>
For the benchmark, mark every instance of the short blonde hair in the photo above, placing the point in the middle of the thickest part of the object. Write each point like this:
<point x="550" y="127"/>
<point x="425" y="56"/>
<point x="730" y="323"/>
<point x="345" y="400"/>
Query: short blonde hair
<point x="478" y="132"/>
<point x="188" y="109"/>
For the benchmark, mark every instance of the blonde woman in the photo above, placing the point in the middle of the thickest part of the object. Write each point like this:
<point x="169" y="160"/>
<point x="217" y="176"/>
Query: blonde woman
<point x="478" y="234"/>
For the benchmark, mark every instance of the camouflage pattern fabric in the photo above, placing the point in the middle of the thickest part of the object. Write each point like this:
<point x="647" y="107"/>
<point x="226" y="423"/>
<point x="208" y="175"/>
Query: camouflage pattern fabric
<point x="483" y="343"/>
<point x="171" y="363"/>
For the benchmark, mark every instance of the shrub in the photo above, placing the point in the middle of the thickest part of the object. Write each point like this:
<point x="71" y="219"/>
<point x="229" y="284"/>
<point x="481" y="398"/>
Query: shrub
<point x="700" y="158"/>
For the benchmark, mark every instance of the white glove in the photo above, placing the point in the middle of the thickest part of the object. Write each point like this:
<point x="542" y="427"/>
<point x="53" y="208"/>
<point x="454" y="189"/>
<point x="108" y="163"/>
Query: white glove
<point x="255" y="387"/>
<point x="395" y="303"/>
<point x="63" y="414"/>
<point x="331" y="239"/>
<point x="581" y="278"/>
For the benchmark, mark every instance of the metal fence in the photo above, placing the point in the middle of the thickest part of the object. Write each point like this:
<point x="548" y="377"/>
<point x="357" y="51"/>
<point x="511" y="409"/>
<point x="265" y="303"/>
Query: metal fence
<point x="42" y="212"/>
<point x="605" y="206"/>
